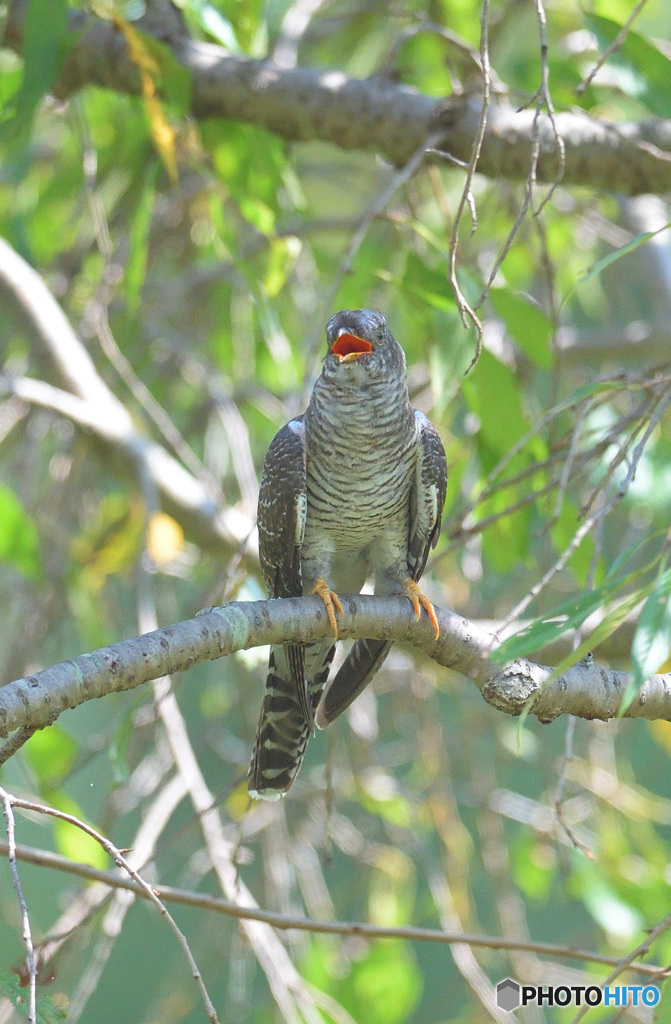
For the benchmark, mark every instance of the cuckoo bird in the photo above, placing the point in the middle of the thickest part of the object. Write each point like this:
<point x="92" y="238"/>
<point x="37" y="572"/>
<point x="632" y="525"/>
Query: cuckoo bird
<point x="352" y="489"/>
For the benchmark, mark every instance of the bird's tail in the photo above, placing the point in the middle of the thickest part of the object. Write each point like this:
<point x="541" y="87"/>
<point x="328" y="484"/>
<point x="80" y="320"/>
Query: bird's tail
<point x="283" y="729"/>
<point x="352" y="677"/>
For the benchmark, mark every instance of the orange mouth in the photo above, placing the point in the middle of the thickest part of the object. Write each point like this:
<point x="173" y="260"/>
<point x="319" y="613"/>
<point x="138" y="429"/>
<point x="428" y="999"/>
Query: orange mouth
<point x="349" y="347"/>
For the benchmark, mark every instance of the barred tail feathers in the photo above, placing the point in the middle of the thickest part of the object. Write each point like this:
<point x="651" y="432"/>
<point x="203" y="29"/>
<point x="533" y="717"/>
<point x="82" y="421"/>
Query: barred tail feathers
<point x="283" y="729"/>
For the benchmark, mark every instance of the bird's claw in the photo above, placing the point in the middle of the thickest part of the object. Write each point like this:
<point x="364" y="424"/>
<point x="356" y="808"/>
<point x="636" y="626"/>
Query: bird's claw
<point x="419" y="601"/>
<point x="331" y="602"/>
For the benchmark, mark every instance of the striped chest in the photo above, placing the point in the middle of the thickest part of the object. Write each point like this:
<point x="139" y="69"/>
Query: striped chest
<point x="361" y="457"/>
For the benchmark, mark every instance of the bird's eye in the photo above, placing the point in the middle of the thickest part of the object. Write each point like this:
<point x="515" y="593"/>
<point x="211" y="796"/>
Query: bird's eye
<point x="380" y="335"/>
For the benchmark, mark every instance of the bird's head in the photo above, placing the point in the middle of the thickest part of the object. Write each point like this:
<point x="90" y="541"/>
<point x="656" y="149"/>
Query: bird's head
<point x="361" y="346"/>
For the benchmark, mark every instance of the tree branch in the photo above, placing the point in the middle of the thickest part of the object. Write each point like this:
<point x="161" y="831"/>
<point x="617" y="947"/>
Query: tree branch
<point x="372" y="114"/>
<point x="586" y="690"/>
<point x="91" y="404"/>
<point x="288" y="922"/>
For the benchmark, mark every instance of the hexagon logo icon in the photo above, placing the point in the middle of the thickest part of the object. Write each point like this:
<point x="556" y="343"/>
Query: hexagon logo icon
<point x="508" y="994"/>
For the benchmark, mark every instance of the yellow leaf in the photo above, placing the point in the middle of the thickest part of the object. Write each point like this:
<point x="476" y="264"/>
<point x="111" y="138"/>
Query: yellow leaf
<point x="661" y="731"/>
<point x="666" y="667"/>
<point x="238" y="801"/>
<point x="162" y="133"/>
<point x="165" y="538"/>
<point x="110" y="542"/>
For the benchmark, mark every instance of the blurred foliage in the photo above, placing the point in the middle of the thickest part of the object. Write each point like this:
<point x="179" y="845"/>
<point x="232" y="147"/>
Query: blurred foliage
<point x="216" y="252"/>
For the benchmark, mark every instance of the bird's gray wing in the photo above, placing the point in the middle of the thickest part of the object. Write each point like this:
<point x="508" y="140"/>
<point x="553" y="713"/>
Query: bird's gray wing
<point x="427" y="496"/>
<point x="282" y="510"/>
<point x="281" y="522"/>
<point x="363" y="661"/>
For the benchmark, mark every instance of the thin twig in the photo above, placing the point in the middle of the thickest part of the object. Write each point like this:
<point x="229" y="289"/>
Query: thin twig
<point x="91" y="403"/>
<point x="568" y="464"/>
<point x="627" y="961"/>
<point x="546" y="97"/>
<point x="567" y="757"/>
<point x="543" y="99"/>
<point x="92" y="899"/>
<point x="571" y="724"/>
<point x="424" y="25"/>
<point x="15" y="742"/>
<point x="581" y="462"/>
<point x="613" y="48"/>
<point x="465" y="310"/>
<point x="530" y="498"/>
<point x="147" y="890"/>
<point x="441" y="889"/>
<point x="155" y="817"/>
<point x="594" y="518"/>
<point x="536" y="427"/>
<point x="7" y="802"/>
<point x="620" y="456"/>
<point x="374" y="209"/>
<point x="287" y="922"/>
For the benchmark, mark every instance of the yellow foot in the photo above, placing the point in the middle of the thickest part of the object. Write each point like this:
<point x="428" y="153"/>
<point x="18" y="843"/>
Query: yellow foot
<point x="419" y="601"/>
<point x="331" y="602"/>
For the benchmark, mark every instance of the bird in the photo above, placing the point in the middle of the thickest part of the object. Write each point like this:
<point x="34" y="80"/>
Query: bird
<point x="352" y="489"/>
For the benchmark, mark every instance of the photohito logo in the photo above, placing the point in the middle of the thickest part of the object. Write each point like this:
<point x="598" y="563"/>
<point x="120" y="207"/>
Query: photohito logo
<point x="510" y="995"/>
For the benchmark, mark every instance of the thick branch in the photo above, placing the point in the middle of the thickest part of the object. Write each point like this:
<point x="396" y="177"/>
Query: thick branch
<point x="585" y="690"/>
<point x="91" y="404"/>
<point x="373" y="114"/>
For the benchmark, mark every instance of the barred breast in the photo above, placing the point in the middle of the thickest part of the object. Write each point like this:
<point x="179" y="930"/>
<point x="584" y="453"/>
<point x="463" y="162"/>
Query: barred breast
<point x="361" y="452"/>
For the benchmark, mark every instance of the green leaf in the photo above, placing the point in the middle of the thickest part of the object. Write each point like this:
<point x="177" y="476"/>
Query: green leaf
<point x="208" y="19"/>
<point x="387" y="984"/>
<point x="611" y="257"/>
<point x="19" y="542"/>
<point x="563" y="532"/>
<point x="47" y="1011"/>
<point x="597" y="387"/>
<point x="132" y="10"/>
<point x="641" y="69"/>
<point x="136" y="264"/>
<point x="44" y="36"/>
<point x="652" y="639"/>
<point x="611" y="621"/>
<point x="425" y="60"/>
<point x="493" y="394"/>
<point x="10" y="84"/>
<point x="633" y="549"/>
<point x="425" y="285"/>
<point x="50" y="753"/>
<point x="258" y="213"/>
<point x="535" y="635"/>
<point x="570" y="615"/>
<point x="395" y="808"/>
<point x="505" y="542"/>
<point x="280" y="259"/>
<point x="526" y="323"/>
<point x="72" y="841"/>
<point x="663" y="1009"/>
<point x="608" y="909"/>
<point x="534" y="866"/>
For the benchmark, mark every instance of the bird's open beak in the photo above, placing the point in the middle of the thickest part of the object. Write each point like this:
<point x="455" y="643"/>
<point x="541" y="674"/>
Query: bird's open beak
<point x="348" y="347"/>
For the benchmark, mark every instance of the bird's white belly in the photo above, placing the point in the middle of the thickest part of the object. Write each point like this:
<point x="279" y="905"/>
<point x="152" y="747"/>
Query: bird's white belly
<point x="356" y="537"/>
